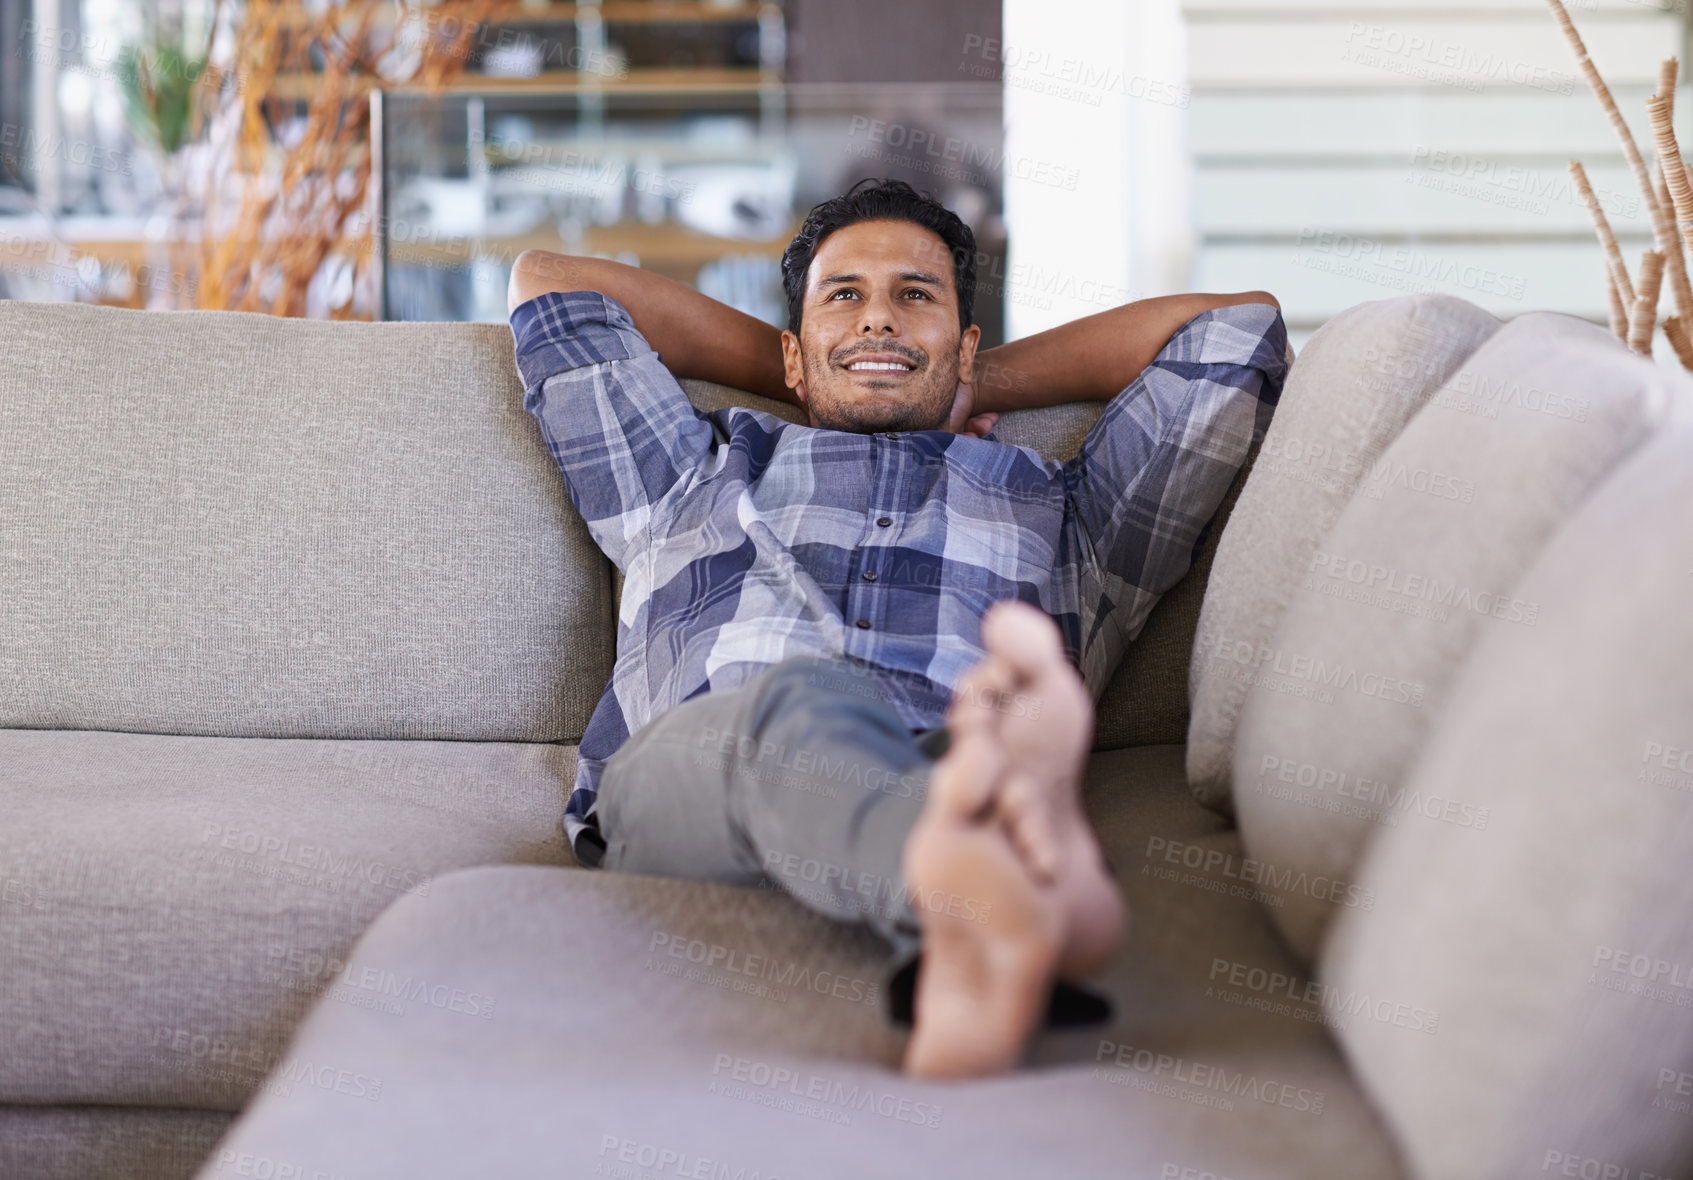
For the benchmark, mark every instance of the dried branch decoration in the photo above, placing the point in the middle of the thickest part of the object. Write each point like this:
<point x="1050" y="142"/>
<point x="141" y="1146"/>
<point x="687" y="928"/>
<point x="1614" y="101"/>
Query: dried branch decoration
<point x="1634" y="307"/>
<point x="283" y="200"/>
<point x="1619" y="314"/>
<point x="1675" y="328"/>
<point x="1683" y="351"/>
<point x="1603" y="93"/>
<point x="1607" y="240"/>
<point x="1644" y="318"/>
<point x="1670" y="168"/>
<point x="1673" y="174"/>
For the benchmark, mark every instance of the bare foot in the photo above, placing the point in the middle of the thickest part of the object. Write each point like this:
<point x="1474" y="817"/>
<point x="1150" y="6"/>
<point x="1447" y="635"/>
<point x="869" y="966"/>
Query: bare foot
<point x="1026" y="693"/>
<point x="992" y="934"/>
<point x="1003" y="840"/>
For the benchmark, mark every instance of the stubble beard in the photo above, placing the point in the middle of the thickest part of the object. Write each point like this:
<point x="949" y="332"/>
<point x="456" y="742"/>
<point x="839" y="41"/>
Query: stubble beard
<point x="923" y="408"/>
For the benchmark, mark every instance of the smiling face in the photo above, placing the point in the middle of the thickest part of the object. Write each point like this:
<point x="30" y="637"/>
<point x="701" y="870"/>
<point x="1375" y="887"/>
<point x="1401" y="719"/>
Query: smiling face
<point x="879" y="346"/>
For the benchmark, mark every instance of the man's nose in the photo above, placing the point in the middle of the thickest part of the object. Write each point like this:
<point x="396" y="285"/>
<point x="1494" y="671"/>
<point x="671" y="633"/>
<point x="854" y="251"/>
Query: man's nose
<point x="880" y="316"/>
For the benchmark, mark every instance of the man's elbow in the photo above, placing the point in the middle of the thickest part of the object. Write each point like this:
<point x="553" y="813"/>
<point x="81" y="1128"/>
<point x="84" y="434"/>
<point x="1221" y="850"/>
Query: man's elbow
<point x="536" y="272"/>
<point x="1258" y="297"/>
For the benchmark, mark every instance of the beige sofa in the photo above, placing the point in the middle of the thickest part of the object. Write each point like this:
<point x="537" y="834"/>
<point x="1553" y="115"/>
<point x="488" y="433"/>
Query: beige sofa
<point x="296" y="620"/>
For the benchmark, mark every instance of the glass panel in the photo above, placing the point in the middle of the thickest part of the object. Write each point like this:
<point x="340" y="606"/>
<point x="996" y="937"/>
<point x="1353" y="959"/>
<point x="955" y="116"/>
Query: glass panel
<point x="83" y="157"/>
<point x="707" y="189"/>
<point x="664" y="135"/>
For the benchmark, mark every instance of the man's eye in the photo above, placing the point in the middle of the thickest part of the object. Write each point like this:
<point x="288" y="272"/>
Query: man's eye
<point x="847" y="291"/>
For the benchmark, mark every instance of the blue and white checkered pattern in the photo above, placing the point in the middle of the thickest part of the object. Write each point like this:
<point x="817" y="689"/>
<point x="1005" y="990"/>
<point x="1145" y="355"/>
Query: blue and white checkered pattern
<point x="744" y="539"/>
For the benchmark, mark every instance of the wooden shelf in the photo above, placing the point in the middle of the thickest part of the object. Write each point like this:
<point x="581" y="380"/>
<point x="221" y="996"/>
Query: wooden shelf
<point x="667" y="241"/>
<point x="637" y="12"/>
<point x="748" y="80"/>
<point x="614" y="12"/>
<point x="668" y="249"/>
<point x="502" y="157"/>
<point x="107" y="240"/>
<point x="665" y="245"/>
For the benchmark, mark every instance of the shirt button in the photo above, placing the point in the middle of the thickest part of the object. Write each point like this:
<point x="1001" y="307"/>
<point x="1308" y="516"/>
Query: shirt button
<point x="893" y="434"/>
<point x="884" y="521"/>
<point x="869" y="575"/>
<point x="864" y="624"/>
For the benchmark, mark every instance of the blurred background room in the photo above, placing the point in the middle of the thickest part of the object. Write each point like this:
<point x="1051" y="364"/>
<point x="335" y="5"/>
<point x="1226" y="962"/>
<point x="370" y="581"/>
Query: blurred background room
<point x="306" y="647"/>
<point x="388" y="161"/>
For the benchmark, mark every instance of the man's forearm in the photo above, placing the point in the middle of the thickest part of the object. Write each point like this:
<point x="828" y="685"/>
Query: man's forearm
<point x="1090" y="359"/>
<point x="695" y="334"/>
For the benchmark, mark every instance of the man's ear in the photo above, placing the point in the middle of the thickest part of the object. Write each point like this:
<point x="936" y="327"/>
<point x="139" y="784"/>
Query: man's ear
<point x="967" y="354"/>
<point x="793" y="368"/>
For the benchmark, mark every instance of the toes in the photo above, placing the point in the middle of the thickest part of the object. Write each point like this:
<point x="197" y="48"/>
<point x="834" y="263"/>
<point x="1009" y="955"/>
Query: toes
<point x="977" y="694"/>
<point x="966" y="781"/>
<point x="1031" y="825"/>
<point x="1023" y="635"/>
<point x="1023" y="639"/>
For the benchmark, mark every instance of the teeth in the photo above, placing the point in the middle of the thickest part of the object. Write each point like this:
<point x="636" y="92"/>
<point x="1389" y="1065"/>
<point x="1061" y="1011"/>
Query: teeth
<point x="878" y="366"/>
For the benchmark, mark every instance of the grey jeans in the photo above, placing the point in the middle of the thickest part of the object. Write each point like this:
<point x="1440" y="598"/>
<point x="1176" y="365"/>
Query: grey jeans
<point x="803" y="779"/>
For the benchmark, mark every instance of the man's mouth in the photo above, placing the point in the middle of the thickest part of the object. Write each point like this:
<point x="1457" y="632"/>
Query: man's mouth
<point x="880" y="364"/>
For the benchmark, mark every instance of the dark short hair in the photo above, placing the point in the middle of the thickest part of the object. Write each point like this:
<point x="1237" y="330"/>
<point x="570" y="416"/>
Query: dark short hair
<point x="881" y="200"/>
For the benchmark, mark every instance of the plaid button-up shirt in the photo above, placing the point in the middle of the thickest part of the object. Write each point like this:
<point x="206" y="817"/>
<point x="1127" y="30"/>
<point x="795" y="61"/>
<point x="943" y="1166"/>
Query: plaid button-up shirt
<point x="744" y="539"/>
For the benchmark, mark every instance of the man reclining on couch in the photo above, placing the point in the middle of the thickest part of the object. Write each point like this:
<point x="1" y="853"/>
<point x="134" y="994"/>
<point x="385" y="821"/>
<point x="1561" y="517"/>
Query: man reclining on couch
<point x="818" y="685"/>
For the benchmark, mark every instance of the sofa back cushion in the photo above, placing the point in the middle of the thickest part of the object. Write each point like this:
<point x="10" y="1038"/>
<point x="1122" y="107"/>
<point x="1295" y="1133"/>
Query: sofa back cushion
<point x="1359" y="380"/>
<point x="230" y="523"/>
<point x="1422" y="565"/>
<point x="235" y="524"/>
<point x="1528" y="983"/>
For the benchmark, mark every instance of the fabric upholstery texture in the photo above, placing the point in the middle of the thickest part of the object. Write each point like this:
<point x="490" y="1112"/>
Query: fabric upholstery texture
<point x="1556" y="945"/>
<point x="107" y="1142"/>
<point x="1145" y="703"/>
<point x="1359" y="379"/>
<point x="231" y="524"/>
<point x="170" y="906"/>
<point x="681" y="1050"/>
<point x="1420" y="565"/>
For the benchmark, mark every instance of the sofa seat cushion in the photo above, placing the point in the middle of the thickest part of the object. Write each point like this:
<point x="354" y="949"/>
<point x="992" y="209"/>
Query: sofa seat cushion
<point x="642" y="1019"/>
<point x="108" y="1142"/>
<point x="170" y="905"/>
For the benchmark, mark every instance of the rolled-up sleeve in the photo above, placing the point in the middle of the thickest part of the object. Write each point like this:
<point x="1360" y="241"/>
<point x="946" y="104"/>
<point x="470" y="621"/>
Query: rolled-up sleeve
<point x="618" y="424"/>
<point x="1156" y="463"/>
